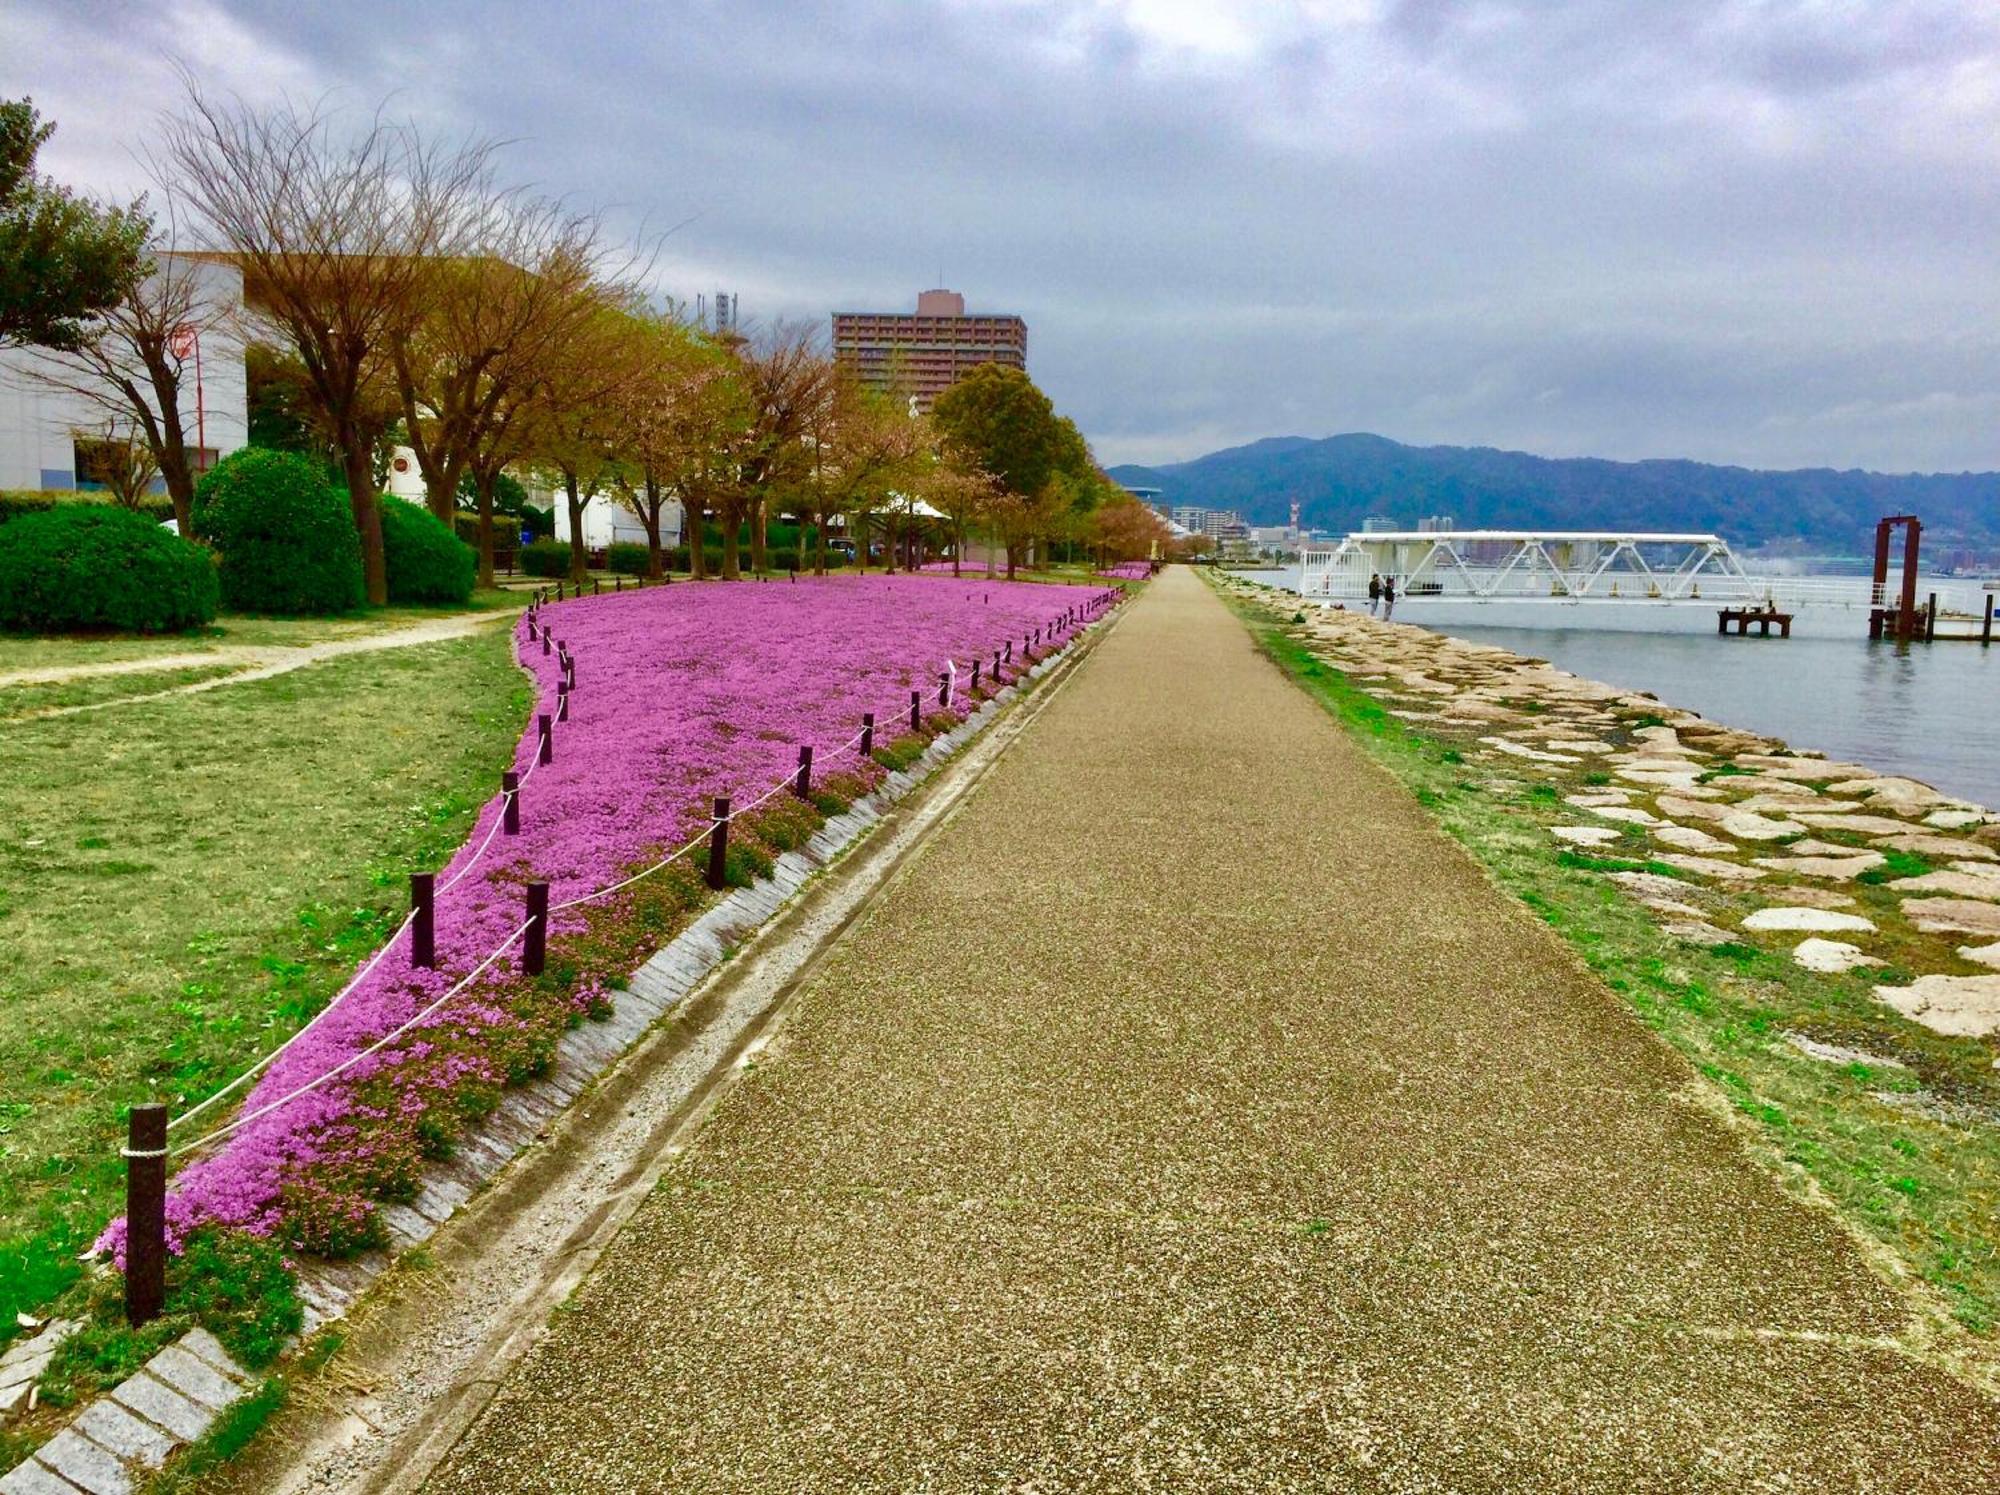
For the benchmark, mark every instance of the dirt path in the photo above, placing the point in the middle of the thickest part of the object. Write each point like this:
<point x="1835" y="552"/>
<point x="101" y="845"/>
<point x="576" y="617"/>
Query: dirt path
<point x="1192" y="1115"/>
<point x="260" y="662"/>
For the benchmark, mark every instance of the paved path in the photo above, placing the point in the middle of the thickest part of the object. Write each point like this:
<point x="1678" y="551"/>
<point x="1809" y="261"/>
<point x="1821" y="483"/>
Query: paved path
<point x="1193" y="1116"/>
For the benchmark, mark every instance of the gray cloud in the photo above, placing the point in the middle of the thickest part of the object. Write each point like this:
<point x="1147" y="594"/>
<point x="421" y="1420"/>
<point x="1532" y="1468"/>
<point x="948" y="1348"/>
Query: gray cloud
<point x="1745" y="230"/>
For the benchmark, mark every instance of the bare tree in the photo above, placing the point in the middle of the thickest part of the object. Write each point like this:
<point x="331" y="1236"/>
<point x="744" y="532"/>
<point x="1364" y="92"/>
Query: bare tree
<point x="578" y="423"/>
<point x="670" y="413"/>
<point x="119" y="456"/>
<point x="787" y="377"/>
<point x="132" y="361"/>
<point x="861" y="445"/>
<point x="339" y="237"/>
<point x="497" y="315"/>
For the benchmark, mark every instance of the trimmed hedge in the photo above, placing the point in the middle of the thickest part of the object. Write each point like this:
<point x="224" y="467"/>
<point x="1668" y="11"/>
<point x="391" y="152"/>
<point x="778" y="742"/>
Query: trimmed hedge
<point x="91" y="565"/>
<point x="286" y="538"/>
<point x="545" y="558"/>
<point x="626" y="559"/>
<point x="14" y="502"/>
<point x="426" y="562"/>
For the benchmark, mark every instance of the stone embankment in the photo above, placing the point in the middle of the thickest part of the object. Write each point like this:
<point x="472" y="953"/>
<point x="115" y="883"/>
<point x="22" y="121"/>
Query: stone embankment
<point x="1728" y="837"/>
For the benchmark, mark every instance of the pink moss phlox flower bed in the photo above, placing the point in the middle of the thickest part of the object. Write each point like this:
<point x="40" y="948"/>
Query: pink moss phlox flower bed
<point x="682" y="693"/>
<point x="1129" y="571"/>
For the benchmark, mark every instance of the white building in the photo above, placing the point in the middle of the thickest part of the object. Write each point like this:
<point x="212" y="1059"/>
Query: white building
<point x="38" y="424"/>
<point x="605" y="522"/>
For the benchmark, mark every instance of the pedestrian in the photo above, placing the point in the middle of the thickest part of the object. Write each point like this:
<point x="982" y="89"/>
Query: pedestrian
<point x="1388" y="597"/>
<point x="1374" y="592"/>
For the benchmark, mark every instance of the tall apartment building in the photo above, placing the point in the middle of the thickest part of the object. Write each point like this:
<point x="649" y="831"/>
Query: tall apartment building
<point x="925" y="352"/>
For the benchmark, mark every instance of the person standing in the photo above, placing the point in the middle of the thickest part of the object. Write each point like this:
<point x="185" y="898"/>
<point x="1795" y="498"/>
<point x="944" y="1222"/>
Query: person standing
<point x="1388" y="597"/>
<point x="1374" y="592"/>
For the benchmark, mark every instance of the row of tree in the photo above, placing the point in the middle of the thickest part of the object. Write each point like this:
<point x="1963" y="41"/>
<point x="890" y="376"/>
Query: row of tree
<point x="402" y="293"/>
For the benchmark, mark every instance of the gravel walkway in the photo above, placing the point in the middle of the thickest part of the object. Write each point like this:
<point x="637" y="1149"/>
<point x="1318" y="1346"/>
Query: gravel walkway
<point x="1194" y="1116"/>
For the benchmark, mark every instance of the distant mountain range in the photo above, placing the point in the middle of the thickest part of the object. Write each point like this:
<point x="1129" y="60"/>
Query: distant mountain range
<point x="1341" y="480"/>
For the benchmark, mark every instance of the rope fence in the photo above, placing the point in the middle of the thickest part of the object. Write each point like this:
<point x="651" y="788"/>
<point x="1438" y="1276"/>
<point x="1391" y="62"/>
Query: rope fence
<point x="148" y="1150"/>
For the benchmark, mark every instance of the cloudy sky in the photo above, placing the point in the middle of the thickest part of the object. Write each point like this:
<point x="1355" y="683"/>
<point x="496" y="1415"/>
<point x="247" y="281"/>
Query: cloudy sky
<point x="1756" y="231"/>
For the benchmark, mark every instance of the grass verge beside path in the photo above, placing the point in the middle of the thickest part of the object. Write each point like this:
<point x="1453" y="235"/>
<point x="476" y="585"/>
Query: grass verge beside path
<point x="182" y="882"/>
<point x="1918" y="1178"/>
<point x="18" y="701"/>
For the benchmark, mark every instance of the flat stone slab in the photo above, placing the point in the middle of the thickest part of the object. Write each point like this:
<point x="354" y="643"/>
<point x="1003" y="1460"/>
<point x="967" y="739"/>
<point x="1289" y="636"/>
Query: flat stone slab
<point x="1809" y="897"/>
<point x="1962" y="1006"/>
<point x="1956" y="820"/>
<point x="1959" y="884"/>
<point x="1905" y="796"/>
<point x="1807" y="920"/>
<point x="1710" y="867"/>
<point x="1687" y="838"/>
<point x="1833" y="1053"/>
<point x="1840" y="869"/>
<point x="1953" y="916"/>
<point x="1598" y="798"/>
<point x="1985" y="955"/>
<point x="1684" y="806"/>
<point x="1697" y="932"/>
<point x="1831" y="957"/>
<point x="1747" y="825"/>
<point x="1864" y="825"/>
<point x="1583" y="835"/>
<point x="1626" y="815"/>
<point x="1942" y="846"/>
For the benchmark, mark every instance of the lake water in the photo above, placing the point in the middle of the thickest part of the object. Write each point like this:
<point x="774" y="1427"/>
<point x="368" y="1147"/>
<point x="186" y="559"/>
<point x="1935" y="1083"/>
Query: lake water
<point x="1930" y="711"/>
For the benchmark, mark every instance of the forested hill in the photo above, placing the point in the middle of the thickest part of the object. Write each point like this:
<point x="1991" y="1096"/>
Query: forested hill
<point x="1341" y="480"/>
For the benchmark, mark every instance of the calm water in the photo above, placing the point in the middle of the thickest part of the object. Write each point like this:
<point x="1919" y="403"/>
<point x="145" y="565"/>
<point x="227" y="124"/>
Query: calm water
<point x="1931" y="711"/>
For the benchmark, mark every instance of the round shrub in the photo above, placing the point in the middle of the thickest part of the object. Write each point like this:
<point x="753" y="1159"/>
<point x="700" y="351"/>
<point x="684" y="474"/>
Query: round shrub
<point x="546" y="558"/>
<point x="97" y="566"/>
<point x="426" y="561"/>
<point x="626" y="559"/>
<point x="286" y="536"/>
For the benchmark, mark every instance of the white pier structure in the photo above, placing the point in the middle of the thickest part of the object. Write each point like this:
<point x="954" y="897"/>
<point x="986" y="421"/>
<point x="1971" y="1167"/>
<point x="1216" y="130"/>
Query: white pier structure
<point x="1576" y="566"/>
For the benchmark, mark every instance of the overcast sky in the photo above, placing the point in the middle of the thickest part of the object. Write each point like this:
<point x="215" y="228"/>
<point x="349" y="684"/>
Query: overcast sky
<point x="1765" y="233"/>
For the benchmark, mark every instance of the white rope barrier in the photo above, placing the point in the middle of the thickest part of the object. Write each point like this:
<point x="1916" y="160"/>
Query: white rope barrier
<point x="951" y="677"/>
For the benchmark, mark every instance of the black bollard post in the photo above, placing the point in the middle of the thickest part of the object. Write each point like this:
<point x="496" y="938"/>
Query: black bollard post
<point x="535" y="940"/>
<point x="718" y="844"/>
<point x="546" y="647"/>
<point x="975" y="677"/>
<point x="867" y="734"/>
<point x="545" y="748"/>
<point x="916" y="711"/>
<point x="423" y="928"/>
<point x="802" y="783"/>
<point x="145" y="1214"/>
<point x="562" y="700"/>
<point x="1010" y="651"/>
<point x="944" y="688"/>
<point x="510" y="813"/>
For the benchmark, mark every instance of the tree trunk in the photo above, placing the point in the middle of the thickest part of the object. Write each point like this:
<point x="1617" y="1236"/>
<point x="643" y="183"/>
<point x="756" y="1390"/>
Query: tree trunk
<point x="698" y="545"/>
<point x="359" y="458"/>
<point x="732" y="551"/>
<point x="482" y="485"/>
<point x="650" y="517"/>
<point x="802" y="542"/>
<point x="757" y="556"/>
<point x="819" y="559"/>
<point x="892" y="548"/>
<point x="572" y="495"/>
<point x="1012" y="552"/>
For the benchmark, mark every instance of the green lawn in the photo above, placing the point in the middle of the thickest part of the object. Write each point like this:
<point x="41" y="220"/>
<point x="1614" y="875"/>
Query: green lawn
<point x="181" y="881"/>
<point x="17" y="701"/>
<point x="232" y="630"/>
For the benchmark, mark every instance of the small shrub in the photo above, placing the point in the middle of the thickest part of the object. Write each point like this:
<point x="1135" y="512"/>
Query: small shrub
<point x="426" y="562"/>
<point x="626" y="559"/>
<point x="679" y="558"/>
<point x="545" y="558"/>
<point x="14" y="502"/>
<point x="286" y="538"/>
<point x="97" y="566"/>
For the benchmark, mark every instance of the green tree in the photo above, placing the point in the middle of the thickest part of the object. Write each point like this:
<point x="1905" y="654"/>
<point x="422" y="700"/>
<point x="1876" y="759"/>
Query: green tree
<point x="63" y="258"/>
<point x="995" y="419"/>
